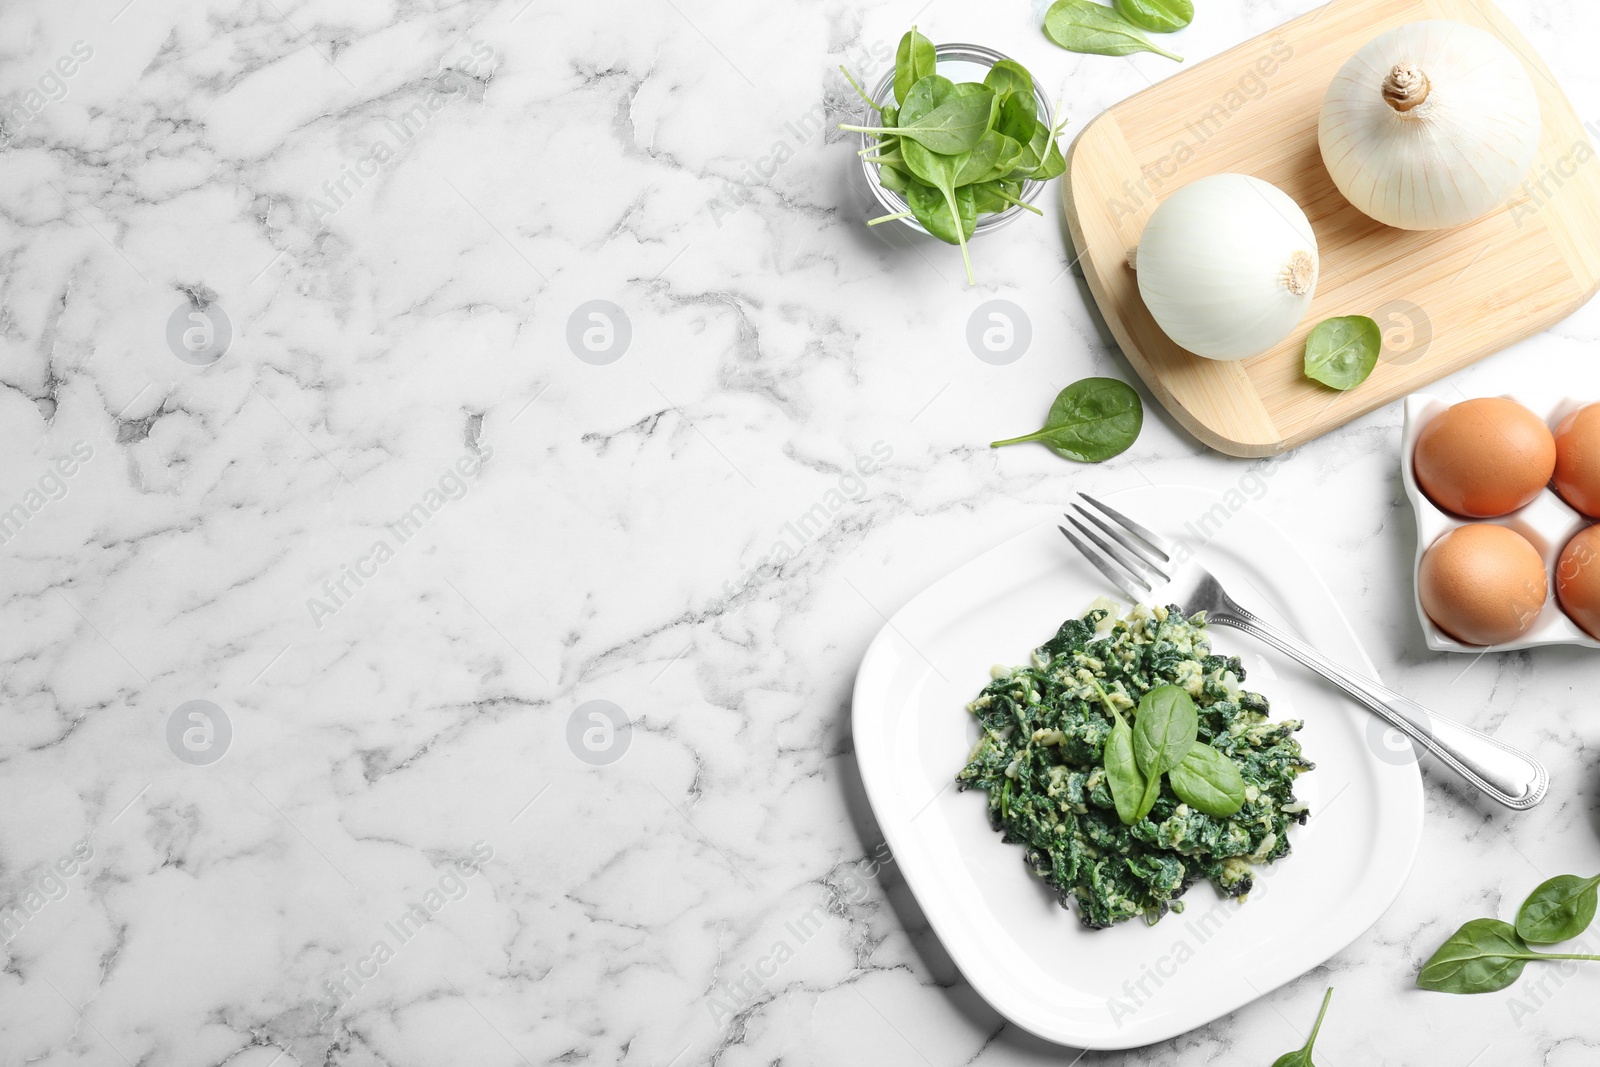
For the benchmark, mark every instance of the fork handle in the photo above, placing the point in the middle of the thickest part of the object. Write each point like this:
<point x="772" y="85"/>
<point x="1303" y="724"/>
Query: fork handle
<point x="1507" y="775"/>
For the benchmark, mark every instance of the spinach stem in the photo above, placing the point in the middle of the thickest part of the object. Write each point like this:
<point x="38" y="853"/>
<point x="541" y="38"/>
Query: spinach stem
<point x="1317" y="1026"/>
<point x="889" y="218"/>
<point x="1019" y="203"/>
<point x="1152" y="793"/>
<point x="1036" y="435"/>
<point x="1104" y="699"/>
<point x="961" y="230"/>
<point x="876" y="131"/>
<point x="1549" y="956"/>
<point x="857" y="88"/>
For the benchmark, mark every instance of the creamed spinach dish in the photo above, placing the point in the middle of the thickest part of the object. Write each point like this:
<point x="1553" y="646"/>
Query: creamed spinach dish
<point x="1043" y="760"/>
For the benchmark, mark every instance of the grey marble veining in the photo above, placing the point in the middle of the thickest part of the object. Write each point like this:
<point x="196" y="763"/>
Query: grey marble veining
<point x="425" y="510"/>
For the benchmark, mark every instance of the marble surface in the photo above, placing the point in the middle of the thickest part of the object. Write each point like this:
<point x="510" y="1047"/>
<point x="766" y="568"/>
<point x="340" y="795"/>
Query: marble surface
<point x="398" y="539"/>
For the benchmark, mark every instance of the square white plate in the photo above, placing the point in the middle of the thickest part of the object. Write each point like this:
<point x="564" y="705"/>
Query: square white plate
<point x="1132" y="984"/>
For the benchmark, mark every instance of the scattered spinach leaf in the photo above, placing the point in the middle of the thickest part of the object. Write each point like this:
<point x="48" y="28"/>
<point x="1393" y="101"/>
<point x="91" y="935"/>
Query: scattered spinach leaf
<point x="1208" y="781"/>
<point x="914" y="60"/>
<point x="1084" y="26"/>
<point x="1482" y="956"/>
<point x="1558" y="910"/>
<point x="1157" y="16"/>
<point x="1090" y="421"/>
<point x="1341" y="352"/>
<point x="1301" y="1057"/>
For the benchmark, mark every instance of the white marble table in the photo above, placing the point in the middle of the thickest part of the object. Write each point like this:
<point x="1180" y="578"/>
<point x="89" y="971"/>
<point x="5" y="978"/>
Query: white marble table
<point x="397" y="537"/>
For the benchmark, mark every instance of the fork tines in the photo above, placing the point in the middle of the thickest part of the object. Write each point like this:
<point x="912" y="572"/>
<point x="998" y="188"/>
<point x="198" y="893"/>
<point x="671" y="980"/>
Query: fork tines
<point x="1133" y="557"/>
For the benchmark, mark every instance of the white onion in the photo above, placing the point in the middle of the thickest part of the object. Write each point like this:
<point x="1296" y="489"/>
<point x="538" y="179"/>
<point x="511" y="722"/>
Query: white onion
<point x="1227" y="266"/>
<point x="1431" y="124"/>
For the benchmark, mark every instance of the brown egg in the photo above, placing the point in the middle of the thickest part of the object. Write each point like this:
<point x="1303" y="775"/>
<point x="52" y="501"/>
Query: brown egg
<point x="1578" y="459"/>
<point x="1578" y="580"/>
<point x="1486" y="457"/>
<point x="1482" y="584"/>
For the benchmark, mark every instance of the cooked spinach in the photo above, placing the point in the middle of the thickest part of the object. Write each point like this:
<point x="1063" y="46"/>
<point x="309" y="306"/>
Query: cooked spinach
<point x="1060" y="772"/>
<point x="1090" y="421"/>
<point x="1157" y="16"/>
<point x="943" y="137"/>
<point x="1301" y="1057"/>
<point x="1341" y="352"/>
<point x="1558" y="910"/>
<point x="1084" y="26"/>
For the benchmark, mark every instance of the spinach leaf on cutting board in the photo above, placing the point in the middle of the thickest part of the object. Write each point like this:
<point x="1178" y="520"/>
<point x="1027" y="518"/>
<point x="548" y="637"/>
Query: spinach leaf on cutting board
<point x="1341" y="352"/>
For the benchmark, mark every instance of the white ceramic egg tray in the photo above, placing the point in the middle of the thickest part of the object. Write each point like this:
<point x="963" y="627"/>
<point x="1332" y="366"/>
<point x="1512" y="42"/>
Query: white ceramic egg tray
<point x="1548" y="523"/>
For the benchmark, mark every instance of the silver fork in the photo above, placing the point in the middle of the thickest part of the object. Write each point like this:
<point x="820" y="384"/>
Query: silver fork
<point x="1147" y="569"/>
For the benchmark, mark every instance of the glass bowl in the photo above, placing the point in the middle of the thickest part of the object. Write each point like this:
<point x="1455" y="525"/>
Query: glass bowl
<point x="958" y="62"/>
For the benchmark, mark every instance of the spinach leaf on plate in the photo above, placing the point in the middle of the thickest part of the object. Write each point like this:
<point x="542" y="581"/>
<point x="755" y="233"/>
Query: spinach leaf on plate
<point x="1208" y="781"/>
<point x="1163" y="732"/>
<point x="1090" y="421"/>
<point x="1122" y="770"/>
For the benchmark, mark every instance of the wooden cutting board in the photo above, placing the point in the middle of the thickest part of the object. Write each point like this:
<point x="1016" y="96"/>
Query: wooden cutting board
<point x="1443" y="299"/>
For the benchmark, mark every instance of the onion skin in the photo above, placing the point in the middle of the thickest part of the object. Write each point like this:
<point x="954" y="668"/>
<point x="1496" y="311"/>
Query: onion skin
<point x="1227" y="266"/>
<point x="1430" y="125"/>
